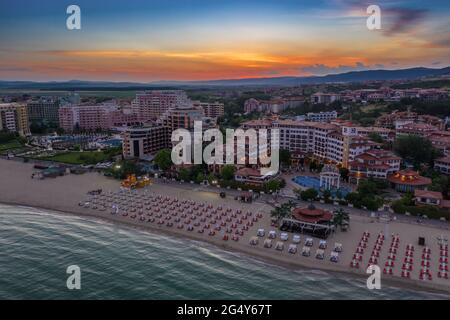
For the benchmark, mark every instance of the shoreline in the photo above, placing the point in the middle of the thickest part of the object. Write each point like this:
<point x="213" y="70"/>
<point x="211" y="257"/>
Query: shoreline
<point x="390" y="281"/>
<point x="64" y="194"/>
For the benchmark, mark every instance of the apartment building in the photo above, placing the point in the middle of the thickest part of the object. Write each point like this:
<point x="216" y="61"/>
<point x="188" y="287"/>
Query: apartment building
<point x="325" y="98"/>
<point x="43" y="110"/>
<point x="321" y="141"/>
<point x="375" y="163"/>
<point x="321" y="116"/>
<point x="442" y="165"/>
<point x="275" y="105"/>
<point x="184" y="117"/>
<point x="144" y="142"/>
<point x="398" y="119"/>
<point x="417" y="129"/>
<point x="91" y="118"/>
<point x="385" y="133"/>
<point x="150" y="105"/>
<point x="210" y="109"/>
<point x="14" y="118"/>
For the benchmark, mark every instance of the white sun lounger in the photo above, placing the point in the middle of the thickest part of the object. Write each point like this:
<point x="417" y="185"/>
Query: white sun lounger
<point x="254" y="241"/>
<point x="306" y="251"/>
<point x="320" y="254"/>
<point x="292" y="248"/>
<point x="268" y="243"/>
<point x="296" y="238"/>
<point x="309" y="242"/>
<point x="322" y="244"/>
<point x="279" y="246"/>
<point x="337" y="247"/>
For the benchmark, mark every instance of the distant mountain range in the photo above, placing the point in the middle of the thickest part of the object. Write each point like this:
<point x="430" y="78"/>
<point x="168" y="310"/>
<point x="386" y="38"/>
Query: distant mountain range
<point x="354" y="76"/>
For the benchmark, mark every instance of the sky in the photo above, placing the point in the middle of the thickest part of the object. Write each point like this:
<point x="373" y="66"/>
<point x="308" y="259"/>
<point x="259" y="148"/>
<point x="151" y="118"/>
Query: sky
<point x="153" y="40"/>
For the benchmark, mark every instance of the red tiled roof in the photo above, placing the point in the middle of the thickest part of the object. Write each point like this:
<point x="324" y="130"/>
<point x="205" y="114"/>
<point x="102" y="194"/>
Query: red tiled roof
<point x="245" y="172"/>
<point x="409" y="177"/>
<point x="444" y="159"/>
<point x="311" y="214"/>
<point x="428" y="194"/>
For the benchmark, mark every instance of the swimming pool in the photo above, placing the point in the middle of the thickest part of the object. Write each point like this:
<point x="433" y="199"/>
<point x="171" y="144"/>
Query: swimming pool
<point x="313" y="182"/>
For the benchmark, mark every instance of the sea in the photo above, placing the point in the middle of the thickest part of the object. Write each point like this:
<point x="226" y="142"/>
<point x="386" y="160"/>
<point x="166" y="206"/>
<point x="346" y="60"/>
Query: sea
<point x="118" y="262"/>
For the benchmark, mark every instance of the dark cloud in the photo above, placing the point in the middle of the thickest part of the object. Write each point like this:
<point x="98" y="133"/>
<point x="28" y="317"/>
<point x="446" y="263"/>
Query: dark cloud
<point x="396" y="17"/>
<point x="400" y="20"/>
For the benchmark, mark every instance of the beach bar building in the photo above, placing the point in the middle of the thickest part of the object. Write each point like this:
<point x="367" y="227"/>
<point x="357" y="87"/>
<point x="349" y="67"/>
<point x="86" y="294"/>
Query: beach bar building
<point x="309" y="220"/>
<point x="408" y="180"/>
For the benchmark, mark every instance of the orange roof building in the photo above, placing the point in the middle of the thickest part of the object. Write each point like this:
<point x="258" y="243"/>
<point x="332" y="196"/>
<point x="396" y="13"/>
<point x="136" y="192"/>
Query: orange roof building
<point x="311" y="214"/>
<point x="408" y="180"/>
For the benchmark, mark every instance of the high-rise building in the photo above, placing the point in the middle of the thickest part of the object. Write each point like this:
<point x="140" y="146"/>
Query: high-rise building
<point x="14" y="118"/>
<point x="210" y="109"/>
<point x="150" y="105"/>
<point x="102" y="117"/>
<point x="184" y="117"/>
<point x="43" y="110"/>
<point x="145" y="141"/>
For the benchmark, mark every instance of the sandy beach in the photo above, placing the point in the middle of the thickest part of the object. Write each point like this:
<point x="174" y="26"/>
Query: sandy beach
<point x="65" y="194"/>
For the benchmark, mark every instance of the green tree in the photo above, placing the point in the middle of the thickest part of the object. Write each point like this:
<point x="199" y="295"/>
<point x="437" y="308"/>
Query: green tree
<point x="341" y="218"/>
<point x="184" y="174"/>
<point x="375" y="137"/>
<point x="307" y="195"/>
<point x="367" y="187"/>
<point x="272" y="185"/>
<point x="282" y="211"/>
<point x="440" y="184"/>
<point x="227" y="172"/>
<point x="327" y="195"/>
<point x="200" y="178"/>
<point x="415" y="149"/>
<point x="344" y="172"/>
<point x="285" y="157"/>
<point x="211" y="177"/>
<point x="163" y="159"/>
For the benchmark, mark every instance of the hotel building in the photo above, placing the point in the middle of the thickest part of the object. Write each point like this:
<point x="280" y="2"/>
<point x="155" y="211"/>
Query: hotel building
<point x="150" y="105"/>
<point x="316" y="140"/>
<point x="91" y="118"/>
<point x="144" y="142"/>
<point x="374" y="163"/>
<point x="14" y="118"/>
<point x="442" y="165"/>
<point x="43" y="110"/>
<point x="210" y="109"/>
<point x="324" y="98"/>
<point x="321" y="116"/>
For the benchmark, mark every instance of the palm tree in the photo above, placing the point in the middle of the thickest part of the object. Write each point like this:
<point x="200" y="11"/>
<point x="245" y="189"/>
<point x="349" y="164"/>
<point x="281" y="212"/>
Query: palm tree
<point x="341" y="218"/>
<point x="283" y="211"/>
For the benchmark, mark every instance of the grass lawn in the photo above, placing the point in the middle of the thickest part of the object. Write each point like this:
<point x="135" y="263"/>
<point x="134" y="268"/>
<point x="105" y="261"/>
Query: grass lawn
<point x="14" y="144"/>
<point x="75" y="157"/>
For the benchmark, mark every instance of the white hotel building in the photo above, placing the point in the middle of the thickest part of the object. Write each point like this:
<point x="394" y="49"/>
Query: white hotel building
<point x="321" y="141"/>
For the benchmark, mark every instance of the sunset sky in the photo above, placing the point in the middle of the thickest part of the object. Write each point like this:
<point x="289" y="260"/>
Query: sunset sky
<point x="148" y="40"/>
